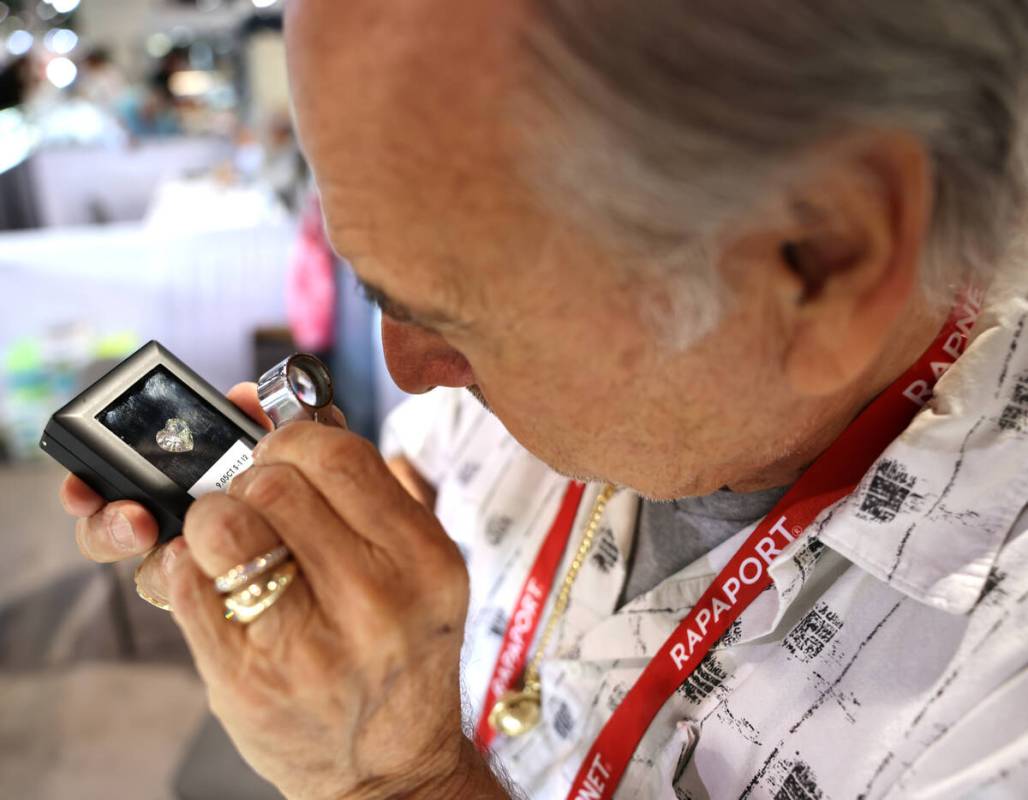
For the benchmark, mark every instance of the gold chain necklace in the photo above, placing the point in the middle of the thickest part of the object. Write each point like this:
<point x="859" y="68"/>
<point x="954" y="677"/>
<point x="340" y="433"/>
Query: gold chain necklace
<point x="519" y="710"/>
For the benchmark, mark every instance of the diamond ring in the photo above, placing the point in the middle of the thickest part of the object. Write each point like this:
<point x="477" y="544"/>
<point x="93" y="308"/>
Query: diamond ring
<point x="242" y="574"/>
<point x="248" y="604"/>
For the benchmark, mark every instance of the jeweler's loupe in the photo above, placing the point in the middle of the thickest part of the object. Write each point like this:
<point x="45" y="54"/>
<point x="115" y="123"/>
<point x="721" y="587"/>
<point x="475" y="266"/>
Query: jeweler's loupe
<point x="299" y="388"/>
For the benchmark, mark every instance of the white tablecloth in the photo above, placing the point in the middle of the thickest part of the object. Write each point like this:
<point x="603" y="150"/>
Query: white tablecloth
<point x="201" y="293"/>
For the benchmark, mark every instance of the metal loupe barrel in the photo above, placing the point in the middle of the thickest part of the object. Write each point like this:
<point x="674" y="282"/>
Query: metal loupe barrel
<point x="299" y="388"/>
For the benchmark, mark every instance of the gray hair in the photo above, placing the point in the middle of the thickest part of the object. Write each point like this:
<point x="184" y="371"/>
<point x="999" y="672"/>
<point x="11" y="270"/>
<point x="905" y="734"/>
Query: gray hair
<point x="676" y="115"/>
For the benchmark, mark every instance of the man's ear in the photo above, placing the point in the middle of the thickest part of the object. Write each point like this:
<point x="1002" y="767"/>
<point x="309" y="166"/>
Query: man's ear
<point x="850" y="269"/>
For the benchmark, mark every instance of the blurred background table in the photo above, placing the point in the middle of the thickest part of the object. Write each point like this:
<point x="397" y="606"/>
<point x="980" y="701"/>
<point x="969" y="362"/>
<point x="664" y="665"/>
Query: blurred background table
<point x="151" y="187"/>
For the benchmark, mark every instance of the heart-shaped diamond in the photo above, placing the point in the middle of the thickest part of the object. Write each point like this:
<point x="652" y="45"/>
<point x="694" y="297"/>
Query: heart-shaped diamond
<point x="175" y="437"/>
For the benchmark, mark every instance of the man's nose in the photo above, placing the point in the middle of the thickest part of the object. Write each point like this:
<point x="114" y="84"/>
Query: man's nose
<point x="420" y="360"/>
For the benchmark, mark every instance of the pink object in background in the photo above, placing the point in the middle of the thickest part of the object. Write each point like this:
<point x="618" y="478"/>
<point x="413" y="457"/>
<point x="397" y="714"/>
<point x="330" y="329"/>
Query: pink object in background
<point x="311" y="284"/>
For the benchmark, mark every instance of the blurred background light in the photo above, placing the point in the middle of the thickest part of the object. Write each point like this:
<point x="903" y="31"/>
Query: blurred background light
<point x="18" y="136"/>
<point x="64" y="6"/>
<point x="159" y="45"/>
<point x="20" y="42"/>
<point x="61" y="41"/>
<point x="201" y="56"/>
<point x="264" y="3"/>
<point x="191" y="83"/>
<point x="45" y="11"/>
<point x="61" y="72"/>
<point x="182" y="35"/>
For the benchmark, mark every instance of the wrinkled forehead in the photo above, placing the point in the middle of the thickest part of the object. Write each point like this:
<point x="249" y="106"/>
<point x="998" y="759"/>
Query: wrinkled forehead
<point x="404" y="109"/>
<point x="405" y="79"/>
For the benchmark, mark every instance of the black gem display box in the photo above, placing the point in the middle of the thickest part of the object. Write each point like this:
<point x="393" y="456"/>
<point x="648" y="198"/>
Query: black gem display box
<point x="153" y="431"/>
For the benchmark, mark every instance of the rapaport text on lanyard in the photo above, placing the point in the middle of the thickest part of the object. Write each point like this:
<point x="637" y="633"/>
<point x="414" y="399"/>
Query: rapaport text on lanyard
<point x="524" y="619"/>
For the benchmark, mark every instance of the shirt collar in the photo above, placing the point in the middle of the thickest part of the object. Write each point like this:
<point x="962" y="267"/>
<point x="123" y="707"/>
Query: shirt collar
<point x="931" y="515"/>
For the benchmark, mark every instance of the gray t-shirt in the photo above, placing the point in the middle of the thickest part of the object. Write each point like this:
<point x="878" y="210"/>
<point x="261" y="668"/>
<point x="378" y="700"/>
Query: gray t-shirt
<point x="671" y="535"/>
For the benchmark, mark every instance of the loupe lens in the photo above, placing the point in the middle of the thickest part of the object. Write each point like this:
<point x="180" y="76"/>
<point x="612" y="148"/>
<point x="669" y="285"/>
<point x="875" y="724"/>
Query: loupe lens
<point x="306" y="384"/>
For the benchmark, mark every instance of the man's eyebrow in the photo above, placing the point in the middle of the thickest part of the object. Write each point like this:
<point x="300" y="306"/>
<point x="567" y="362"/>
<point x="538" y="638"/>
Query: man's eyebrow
<point x="400" y="312"/>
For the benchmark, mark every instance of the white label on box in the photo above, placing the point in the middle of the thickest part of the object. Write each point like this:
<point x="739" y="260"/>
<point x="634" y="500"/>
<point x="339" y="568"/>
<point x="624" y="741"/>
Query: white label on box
<point x="238" y="459"/>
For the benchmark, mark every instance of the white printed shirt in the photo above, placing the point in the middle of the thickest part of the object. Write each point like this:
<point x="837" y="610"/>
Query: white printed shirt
<point x="888" y="660"/>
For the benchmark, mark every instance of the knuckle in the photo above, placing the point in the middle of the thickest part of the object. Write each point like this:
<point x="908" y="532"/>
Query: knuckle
<point x="348" y="457"/>
<point x="269" y="485"/>
<point x="456" y="569"/>
<point x="184" y="601"/>
<point x="220" y="524"/>
<point x="94" y="539"/>
<point x="238" y="483"/>
<point x="454" y="579"/>
<point x="446" y="576"/>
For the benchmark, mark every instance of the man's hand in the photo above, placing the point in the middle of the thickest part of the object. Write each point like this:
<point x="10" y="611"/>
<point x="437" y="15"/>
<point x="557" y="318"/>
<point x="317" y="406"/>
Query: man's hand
<point x="108" y="532"/>
<point x="348" y="686"/>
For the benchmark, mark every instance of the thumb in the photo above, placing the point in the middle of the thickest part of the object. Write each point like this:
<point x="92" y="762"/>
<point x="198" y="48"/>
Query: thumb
<point x="244" y="395"/>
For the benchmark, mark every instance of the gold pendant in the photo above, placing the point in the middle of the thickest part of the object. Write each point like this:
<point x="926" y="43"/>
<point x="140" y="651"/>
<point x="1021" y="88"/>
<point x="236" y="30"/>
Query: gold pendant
<point x="517" y="712"/>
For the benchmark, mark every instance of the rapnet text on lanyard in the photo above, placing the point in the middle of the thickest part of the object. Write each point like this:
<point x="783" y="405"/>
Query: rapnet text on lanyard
<point x="835" y="474"/>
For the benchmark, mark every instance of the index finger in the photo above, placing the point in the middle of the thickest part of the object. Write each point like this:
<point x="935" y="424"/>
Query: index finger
<point x="351" y="475"/>
<point x="78" y="499"/>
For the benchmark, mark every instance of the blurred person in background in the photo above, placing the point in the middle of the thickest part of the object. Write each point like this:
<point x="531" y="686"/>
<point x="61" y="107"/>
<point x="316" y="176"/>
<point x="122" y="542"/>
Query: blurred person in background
<point x="675" y="249"/>
<point x="100" y="81"/>
<point x="283" y="167"/>
<point x="17" y="79"/>
<point x="150" y="109"/>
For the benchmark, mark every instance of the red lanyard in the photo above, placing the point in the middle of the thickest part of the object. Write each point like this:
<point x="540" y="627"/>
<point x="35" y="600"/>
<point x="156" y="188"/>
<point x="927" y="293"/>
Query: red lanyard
<point x="831" y="477"/>
<point x="528" y="610"/>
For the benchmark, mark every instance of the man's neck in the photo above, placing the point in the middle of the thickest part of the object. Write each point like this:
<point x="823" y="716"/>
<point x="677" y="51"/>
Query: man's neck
<point x="918" y="331"/>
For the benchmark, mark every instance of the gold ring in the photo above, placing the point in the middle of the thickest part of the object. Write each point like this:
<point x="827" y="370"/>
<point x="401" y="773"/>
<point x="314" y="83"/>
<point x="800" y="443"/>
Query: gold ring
<point x="248" y="604"/>
<point x="242" y="574"/>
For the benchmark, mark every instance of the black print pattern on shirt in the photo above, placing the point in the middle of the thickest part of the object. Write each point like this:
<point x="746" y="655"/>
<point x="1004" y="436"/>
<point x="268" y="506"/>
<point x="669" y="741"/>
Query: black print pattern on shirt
<point x="496" y="528"/>
<point x="993" y="592"/>
<point x="813" y="633"/>
<point x="498" y="626"/>
<point x="707" y="677"/>
<point x="730" y="636"/>
<point x="1014" y="416"/>
<point x="890" y="487"/>
<point x="605" y="551"/>
<point x="467" y="471"/>
<point x="617" y="694"/>
<point x="799" y="784"/>
<point x="563" y="720"/>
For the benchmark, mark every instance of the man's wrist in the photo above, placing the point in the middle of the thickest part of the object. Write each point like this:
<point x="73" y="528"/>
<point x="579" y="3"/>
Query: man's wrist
<point x="470" y="780"/>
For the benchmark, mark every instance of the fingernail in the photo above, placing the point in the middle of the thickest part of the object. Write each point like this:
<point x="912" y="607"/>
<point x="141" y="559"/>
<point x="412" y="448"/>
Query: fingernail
<point x="121" y="531"/>
<point x="168" y="561"/>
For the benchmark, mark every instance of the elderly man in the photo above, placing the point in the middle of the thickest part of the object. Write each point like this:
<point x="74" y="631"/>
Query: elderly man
<point x="689" y="255"/>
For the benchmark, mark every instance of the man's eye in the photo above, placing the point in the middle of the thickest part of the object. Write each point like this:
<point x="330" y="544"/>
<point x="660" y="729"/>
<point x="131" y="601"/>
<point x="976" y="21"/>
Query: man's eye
<point x="384" y="304"/>
<point x="396" y="314"/>
<point x="369" y="294"/>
